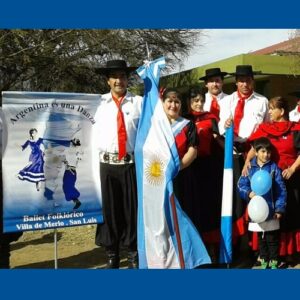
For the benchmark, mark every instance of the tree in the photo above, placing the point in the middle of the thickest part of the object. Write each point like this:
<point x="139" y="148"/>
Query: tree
<point x="65" y="60"/>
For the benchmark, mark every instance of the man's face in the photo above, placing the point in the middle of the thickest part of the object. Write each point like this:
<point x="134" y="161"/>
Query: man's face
<point x="245" y="84"/>
<point x="214" y="85"/>
<point x="118" y="82"/>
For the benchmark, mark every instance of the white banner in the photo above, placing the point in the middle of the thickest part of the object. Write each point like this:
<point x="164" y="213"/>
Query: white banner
<point x="50" y="167"/>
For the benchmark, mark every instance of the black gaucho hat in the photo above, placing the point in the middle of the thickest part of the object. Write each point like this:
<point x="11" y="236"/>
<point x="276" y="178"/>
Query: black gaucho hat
<point x="213" y="73"/>
<point x="113" y="65"/>
<point x="245" y="70"/>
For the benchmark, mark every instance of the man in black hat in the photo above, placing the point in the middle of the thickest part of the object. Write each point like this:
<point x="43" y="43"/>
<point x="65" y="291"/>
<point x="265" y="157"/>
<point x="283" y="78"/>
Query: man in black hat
<point x="214" y="83"/>
<point x="294" y="114"/>
<point x="117" y="119"/>
<point x="246" y="109"/>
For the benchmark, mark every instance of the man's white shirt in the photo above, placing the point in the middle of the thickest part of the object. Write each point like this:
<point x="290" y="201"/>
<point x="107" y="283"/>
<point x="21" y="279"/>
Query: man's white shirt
<point x="208" y="100"/>
<point x="294" y="115"/>
<point x="255" y="113"/>
<point x="106" y="133"/>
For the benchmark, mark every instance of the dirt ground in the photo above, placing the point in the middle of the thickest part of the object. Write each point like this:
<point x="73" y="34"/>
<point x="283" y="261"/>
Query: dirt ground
<point x="76" y="249"/>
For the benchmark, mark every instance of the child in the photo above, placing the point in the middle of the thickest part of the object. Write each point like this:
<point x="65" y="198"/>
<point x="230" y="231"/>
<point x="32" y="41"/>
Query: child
<point x="268" y="231"/>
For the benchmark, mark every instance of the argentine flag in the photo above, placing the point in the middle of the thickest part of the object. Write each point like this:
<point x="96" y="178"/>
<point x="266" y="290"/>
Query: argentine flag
<point x="227" y="200"/>
<point x="166" y="236"/>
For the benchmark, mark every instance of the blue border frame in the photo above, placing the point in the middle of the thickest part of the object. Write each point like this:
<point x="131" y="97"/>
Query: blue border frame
<point x="99" y="284"/>
<point x="152" y="14"/>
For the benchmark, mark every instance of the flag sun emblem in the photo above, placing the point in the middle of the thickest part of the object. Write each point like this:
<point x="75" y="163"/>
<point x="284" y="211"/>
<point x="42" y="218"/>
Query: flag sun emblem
<point x="154" y="171"/>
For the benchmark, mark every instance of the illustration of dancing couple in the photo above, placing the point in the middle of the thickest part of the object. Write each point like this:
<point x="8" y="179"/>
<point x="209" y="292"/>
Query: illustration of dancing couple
<point x="34" y="170"/>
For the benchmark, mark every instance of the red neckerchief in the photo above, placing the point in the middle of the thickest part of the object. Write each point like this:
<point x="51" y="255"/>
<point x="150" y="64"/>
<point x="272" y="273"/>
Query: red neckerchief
<point x="215" y="107"/>
<point x="122" y="135"/>
<point x="239" y="111"/>
<point x="203" y="115"/>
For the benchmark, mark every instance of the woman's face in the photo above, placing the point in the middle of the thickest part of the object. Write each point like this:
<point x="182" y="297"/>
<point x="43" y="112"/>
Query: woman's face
<point x="276" y="114"/>
<point x="197" y="103"/>
<point x="172" y="106"/>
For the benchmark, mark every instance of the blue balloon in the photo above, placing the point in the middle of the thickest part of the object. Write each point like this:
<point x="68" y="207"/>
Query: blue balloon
<point x="261" y="182"/>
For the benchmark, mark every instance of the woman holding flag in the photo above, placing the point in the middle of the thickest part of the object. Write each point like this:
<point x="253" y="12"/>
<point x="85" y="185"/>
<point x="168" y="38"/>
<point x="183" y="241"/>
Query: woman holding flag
<point x="184" y="130"/>
<point x="167" y="239"/>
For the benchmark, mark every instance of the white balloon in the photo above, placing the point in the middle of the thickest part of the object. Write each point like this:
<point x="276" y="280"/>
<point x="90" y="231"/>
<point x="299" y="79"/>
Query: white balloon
<point x="258" y="209"/>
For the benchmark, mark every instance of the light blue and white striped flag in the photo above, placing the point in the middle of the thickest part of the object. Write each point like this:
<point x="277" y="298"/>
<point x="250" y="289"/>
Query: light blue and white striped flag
<point x="160" y="245"/>
<point x="227" y="200"/>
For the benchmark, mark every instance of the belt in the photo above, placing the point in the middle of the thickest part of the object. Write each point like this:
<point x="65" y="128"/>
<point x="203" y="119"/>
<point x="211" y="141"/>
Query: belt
<point x="113" y="158"/>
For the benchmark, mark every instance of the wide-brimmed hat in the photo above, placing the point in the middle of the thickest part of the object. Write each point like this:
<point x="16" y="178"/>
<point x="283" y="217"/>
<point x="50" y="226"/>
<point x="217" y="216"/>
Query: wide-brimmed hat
<point x="245" y="70"/>
<point x="113" y="65"/>
<point x="213" y="72"/>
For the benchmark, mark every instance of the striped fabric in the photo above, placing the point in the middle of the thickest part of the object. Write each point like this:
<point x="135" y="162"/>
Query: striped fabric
<point x="166" y="236"/>
<point x="227" y="200"/>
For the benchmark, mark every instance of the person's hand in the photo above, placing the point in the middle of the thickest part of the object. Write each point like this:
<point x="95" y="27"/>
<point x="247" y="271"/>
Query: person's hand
<point x="251" y="195"/>
<point x="246" y="167"/>
<point x="228" y="123"/>
<point x="287" y="173"/>
<point x="277" y="216"/>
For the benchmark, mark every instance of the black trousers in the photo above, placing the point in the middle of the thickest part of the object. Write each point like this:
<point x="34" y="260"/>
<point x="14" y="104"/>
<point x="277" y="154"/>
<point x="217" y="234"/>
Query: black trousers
<point x="4" y="255"/>
<point x="119" y="204"/>
<point x="269" y="245"/>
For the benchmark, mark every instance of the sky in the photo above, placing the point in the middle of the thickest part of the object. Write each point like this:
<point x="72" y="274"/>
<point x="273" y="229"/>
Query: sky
<point x="217" y="44"/>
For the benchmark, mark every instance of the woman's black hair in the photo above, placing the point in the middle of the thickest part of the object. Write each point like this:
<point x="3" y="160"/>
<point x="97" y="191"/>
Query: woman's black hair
<point x="32" y="130"/>
<point x="169" y="91"/>
<point x="194" y="92"/>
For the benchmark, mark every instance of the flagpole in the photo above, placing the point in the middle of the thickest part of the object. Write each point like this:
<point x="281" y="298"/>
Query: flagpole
<point x="55" y="248"/>
<point x="227" y="200"/>
<point x="148" y="52"/>
<point x="177" y="232"/>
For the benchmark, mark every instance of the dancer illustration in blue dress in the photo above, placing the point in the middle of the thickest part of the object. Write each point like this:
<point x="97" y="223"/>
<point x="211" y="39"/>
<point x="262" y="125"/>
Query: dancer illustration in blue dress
<point x="70" y="175"/>
<point x="34" y="170"/>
